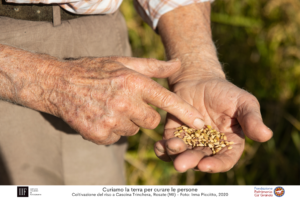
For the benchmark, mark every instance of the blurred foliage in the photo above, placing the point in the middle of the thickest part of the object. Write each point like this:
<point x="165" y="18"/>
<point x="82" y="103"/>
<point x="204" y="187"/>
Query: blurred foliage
<point x="259" y="47"/>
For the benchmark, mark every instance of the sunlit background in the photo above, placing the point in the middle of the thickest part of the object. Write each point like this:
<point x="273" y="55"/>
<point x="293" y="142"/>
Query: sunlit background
<point x="258" y="44"/>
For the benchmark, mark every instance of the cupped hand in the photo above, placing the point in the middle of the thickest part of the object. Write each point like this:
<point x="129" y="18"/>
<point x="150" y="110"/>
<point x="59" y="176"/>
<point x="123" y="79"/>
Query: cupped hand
<point x="227" y="109"/>
<point x="106" y="98"/>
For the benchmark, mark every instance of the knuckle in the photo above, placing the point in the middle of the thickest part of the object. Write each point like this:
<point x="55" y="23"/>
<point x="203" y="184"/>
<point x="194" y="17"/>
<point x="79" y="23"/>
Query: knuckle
<point x="127" y="79"/>
<point x="97" y="142"/>
<point x="110" y="64"/>
<point x="111" y="140"/>
<point x="249" y="99"/>
<point x="154" y="67"/>
<point x="135" y="131"/>
<point x="168" y="100"/>
<point x="248" y="102"/>
<point x="187" y="113"/>
<point x="134" y="80"/>
<point x="122" y="105"/>
<point x="101" y="137"/>
<point x="85" y="138"/>
<point x="152" y="119"/>
<point x="127" y="131"/>
<point x="255" y="101"/>
<point x="100" y="134"/>
<point x="109" y="123"/>
<point x="132" y="131"/>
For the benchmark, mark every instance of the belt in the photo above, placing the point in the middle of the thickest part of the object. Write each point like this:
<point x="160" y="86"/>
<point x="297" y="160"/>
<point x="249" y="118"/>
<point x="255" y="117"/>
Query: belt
<point x="36" y="12"/>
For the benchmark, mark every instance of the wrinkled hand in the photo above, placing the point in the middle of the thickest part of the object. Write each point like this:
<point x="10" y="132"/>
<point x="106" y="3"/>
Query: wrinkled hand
<point x="106" y="98"/>
<point x="226" y="108"/>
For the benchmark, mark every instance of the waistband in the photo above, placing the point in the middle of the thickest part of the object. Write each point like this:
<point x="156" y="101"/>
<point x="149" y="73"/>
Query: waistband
<point x="35" y="12"/>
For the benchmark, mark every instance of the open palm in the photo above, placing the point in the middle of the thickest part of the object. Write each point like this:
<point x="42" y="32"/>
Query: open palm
<point x="227" y="109"/>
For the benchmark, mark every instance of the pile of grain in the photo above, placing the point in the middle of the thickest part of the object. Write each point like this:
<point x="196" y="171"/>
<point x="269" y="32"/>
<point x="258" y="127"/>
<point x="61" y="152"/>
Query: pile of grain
<point x="206" y="137"/>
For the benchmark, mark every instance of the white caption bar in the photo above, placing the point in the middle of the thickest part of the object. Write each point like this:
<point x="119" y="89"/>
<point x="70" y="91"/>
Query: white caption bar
<point x="148" y="192"/>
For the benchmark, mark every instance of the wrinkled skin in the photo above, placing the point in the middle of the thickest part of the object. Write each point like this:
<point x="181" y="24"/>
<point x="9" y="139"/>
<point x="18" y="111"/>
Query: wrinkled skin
<point x="186" y="35"/>
<point x="226" y="108"/>
<point x="103" y="99"/>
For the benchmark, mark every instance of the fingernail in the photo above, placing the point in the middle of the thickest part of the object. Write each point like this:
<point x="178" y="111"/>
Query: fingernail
<point x="198" y="123"/>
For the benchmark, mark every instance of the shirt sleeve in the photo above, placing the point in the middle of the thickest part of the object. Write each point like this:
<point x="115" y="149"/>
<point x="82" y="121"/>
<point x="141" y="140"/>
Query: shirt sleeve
<point x="152" y="10"/>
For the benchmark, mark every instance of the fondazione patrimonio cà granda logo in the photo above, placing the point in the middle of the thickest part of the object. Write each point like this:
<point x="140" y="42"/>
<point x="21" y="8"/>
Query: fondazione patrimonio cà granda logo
<point x="22" y="191"/>
<point x="279" y="191"/>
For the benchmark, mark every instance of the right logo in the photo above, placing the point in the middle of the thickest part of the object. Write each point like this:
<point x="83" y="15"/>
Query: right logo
<point x="279" y="191"/>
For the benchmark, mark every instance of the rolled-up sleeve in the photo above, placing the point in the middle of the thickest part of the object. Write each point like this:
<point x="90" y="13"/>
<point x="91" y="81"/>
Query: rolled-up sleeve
<point x="152" y="10"/>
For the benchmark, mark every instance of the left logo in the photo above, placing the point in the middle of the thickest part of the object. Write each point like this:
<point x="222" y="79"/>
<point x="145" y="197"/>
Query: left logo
<point x="22" y="191"/>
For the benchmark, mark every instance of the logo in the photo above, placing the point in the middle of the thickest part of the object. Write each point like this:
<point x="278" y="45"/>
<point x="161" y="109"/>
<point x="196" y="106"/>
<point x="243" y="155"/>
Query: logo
<point x="263" y="192"/>
<point x="22" y="191"/>
<point x="279" y="191"/>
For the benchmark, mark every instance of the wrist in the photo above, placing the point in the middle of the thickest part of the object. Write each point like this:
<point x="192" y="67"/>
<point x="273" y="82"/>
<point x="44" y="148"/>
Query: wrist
<point x="27" y="78"/>
<point x="186" y="35"/>
<point x="195" y="66"/>
<point x="35" y="92"/>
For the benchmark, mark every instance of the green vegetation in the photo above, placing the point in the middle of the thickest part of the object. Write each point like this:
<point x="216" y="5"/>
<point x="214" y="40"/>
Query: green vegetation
<point x="259" y="47"/>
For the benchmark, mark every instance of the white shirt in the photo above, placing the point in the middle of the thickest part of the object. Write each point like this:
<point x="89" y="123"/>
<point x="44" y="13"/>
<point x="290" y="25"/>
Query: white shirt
<point x="150" y="10"/>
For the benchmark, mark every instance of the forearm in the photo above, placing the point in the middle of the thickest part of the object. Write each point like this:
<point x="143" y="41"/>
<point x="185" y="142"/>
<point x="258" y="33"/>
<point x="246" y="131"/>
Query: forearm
<point x="26" y="78"/>
<point x="186" y="35"/>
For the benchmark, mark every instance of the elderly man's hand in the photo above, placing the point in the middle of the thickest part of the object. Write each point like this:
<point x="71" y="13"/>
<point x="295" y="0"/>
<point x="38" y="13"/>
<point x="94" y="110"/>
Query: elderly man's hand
<point x="186" y="35"/>
<point x="102" y="98"/>
<point x="226" y="108"/>
<point x="105" y="98"/>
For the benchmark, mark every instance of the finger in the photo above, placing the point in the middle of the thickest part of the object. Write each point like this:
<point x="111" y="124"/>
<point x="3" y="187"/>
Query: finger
<point x="221" y="162"/>
<point x="109" y="130"/>
<point x="160" y="151"/>
<point x="251" y="122"/>
<point x="145" y="116"/>
<point x="216" y="163"/>
<point x="99" y="132"/>
<point x="126" y="127"/>
<point x="170" y="127"/>
<point x="111" y="139"/>
<point x="160" y="146"/>
<point x="150" y="67"/>
<point x="200" y="157"/>
<point x="108" y="139"/>
<point x="225" y="159"/>
<point x="174" y="147"/>
<point x="189" y="159"/>
<point x="170" y="102"/>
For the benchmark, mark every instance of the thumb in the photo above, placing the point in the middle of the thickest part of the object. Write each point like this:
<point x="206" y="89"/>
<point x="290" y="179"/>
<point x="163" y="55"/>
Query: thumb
<point x="151" y="67"/>
<point x="250" y="119"/>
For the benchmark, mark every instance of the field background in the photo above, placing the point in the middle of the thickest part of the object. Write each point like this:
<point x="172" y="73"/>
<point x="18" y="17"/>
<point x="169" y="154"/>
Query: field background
<point x="258" y="44"/>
